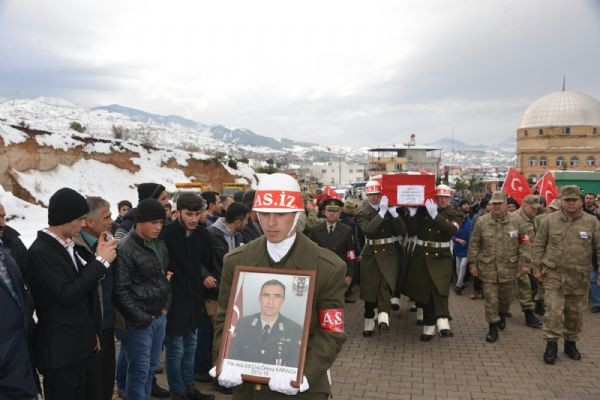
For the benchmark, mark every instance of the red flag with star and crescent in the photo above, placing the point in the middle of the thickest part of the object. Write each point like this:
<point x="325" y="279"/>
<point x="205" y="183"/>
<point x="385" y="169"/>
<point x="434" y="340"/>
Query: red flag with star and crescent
<point x="548" y="188"/>
<point x="516" y="185"/>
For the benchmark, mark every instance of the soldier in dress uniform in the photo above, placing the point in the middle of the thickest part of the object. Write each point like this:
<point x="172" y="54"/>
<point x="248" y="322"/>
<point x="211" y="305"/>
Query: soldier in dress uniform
<point x="383" y="228"/>
<point x="430" y="264"/>
<point x="278" y="203"/>
<point x="527" y="213"/>
<point x="499" y="246"/>
<point x="267" y="337"/>
<point x="562" y="260"/>
<point x="334" y="235"/>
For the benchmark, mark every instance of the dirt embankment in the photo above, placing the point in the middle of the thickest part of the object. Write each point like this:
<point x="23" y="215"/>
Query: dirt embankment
<point x="30" y="155"/>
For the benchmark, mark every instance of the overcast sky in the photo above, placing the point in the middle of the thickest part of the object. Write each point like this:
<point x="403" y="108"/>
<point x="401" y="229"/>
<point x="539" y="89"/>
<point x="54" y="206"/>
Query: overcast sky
<point x="332" y="72"/>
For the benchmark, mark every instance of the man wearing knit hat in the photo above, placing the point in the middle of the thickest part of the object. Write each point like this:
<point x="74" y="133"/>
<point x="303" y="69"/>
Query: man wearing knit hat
<point x="64" y="289"/>
<point x="145" y="191"/>
<point x="142" y="296"/>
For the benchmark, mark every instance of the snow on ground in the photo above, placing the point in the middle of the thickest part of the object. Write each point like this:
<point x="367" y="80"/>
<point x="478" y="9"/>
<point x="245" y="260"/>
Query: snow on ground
<point x="25" y="217"/>
<point x="11" y="135"/>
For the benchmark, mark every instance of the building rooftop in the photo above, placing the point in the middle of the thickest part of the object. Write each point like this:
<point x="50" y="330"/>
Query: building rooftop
<point x="563" y="108"/>
<point x="403" y="147"/>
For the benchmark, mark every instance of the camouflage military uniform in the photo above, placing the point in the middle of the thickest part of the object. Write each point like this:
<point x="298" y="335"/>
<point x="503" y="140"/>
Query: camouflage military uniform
<point x="562" y="253"/>
<point x="524" y="291"/>
<point x="495" y="251"/>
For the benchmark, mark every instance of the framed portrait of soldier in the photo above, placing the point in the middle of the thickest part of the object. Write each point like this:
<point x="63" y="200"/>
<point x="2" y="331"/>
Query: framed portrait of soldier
<point x="267" y="323"/>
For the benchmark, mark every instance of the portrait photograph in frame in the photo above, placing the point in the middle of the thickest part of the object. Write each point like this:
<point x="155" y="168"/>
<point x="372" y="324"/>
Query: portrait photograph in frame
<point x="267" y="323"/>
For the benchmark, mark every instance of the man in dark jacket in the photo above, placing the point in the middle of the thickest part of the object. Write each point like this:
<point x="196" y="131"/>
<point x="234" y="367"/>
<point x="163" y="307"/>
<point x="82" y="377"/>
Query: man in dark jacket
<point x="145" y="191"/>
<point x="64" y="289"/>
<point x="141" y="294"/>
<point x="252" y="229"/>
<point x="18" y="379"/>
<point x="213" y="206"/>
<point x="189" y="254"/>
<point x="101" y="375"/>
<point x="9" y="239"/>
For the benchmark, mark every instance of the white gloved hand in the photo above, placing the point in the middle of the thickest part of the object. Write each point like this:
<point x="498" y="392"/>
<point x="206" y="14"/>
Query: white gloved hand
<point x="229" y="377"/>
<point x="282" y="383"/>
<point x="431" y="207"/>
<point x="412" y="211"/>
<point x="393" y="211"/>
<point x="383" y="206"/>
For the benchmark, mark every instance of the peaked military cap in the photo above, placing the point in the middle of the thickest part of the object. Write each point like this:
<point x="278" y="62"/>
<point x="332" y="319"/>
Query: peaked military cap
<point x="333" y="204"/>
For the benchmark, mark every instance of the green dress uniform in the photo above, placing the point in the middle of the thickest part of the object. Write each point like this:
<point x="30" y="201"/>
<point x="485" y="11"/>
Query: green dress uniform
<point x="279" y="346"/>
<point x="380" y="256"/>
<point x="340" y="241"/>
<point x="430" y="264"/>
<point x="323" y="345"/>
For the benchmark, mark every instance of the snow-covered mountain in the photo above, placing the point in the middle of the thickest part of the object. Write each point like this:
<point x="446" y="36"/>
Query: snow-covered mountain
<point x="508" y="144"/>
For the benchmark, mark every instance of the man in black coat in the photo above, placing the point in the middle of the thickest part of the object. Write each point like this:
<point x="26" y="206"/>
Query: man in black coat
<point x="18" y="379"/>
<point x="9" y="239"/>
<point x="64" y="289"/>
<point x="189" y="255"/>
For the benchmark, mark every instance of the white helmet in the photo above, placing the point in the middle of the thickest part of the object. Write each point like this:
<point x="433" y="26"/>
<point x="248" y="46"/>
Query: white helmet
<point x="278" y="193"/>
<point x="372" y="187"/>
<point x="443" y="190"/>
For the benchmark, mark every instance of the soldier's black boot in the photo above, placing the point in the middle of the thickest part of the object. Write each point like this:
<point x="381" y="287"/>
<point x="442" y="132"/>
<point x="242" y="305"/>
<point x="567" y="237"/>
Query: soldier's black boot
<point x="492" y="335"/>
<point x="550" y="353"/>
<point x="539" y="308"/>
<point x="571" y="350"/>
<point x="502" y="322"/>
<point x="531" y="320"/>
<point x="428" y="333"/>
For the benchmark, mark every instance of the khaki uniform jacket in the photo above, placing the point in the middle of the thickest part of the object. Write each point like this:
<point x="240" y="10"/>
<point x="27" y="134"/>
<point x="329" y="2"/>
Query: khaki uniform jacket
<point x="494" y="249"/>
<point x="529" y="226"/>
<point x="341" y="241"/>
<point x="323" y="346"/>
<point x="566" y="246"/>
<point x="386" y="257"/>
<point x="428" y="266"/>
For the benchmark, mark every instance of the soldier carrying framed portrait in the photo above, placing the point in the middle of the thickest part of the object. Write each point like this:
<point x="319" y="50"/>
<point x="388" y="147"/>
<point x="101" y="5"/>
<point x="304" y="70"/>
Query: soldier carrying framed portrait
<point x="267" y="323"/>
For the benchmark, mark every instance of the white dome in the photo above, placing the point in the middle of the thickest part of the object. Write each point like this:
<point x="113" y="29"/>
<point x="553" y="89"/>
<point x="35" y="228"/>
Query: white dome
<point x="563" y="108"/>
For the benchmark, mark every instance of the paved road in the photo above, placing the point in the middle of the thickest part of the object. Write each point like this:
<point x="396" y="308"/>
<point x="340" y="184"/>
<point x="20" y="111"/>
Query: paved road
<point x="396" y="365"/>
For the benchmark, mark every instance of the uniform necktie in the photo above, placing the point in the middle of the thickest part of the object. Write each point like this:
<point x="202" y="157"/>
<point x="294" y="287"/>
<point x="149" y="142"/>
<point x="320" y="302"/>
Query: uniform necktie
<point x="266" y="329"/>
<point x="330" y="230"/>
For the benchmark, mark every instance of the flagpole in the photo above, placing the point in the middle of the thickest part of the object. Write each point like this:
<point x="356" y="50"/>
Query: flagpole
<point x="538" y="181"/>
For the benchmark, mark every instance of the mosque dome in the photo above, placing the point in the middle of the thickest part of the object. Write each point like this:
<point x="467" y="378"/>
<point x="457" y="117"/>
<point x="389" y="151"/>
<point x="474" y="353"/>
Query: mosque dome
<point x="563" y="108"/>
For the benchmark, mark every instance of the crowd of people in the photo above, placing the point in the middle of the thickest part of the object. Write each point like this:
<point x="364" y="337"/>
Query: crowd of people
<point x="158" y="279"/>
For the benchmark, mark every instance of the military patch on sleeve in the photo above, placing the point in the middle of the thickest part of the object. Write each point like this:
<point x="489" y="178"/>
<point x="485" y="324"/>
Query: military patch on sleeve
<point x="332" y="319"/>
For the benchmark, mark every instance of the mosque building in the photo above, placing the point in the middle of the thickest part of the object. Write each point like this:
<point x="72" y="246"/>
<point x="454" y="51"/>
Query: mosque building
<point x="559" y="131"/>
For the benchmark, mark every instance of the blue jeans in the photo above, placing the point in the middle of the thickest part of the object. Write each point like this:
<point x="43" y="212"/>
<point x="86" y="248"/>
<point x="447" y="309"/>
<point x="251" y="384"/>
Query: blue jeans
<point x="142" y="349"/>
<point x="121" y="367"/>
<point x="595" y="289"/>
<point x="180" y="360"/>
<point x="204" y="345"/>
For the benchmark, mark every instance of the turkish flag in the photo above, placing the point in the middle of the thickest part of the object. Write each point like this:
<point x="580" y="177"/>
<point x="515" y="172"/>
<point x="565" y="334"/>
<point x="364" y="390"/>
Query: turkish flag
<point x="516" y="185"/>
<point x="548" y="188"/>
<point x="329" y="193"/>
<point x="238" y="307"/>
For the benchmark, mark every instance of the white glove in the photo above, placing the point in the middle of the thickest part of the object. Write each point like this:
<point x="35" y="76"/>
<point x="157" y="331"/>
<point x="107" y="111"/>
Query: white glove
<point x="383" y="206"/>
<point x="412" y="211"/>
<point x="282" y="383"/>
<point x="431" y="207"/>
<point x="228" y="378"/>
<point x="393" y="212"/>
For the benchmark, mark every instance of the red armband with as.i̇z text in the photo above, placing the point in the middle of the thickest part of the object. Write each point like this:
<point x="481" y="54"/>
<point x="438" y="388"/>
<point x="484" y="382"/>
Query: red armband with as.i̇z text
<point x="332" y="319"/>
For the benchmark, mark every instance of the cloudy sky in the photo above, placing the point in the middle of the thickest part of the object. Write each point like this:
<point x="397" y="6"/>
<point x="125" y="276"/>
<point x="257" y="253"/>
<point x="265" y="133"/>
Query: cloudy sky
<point x="334" y="72"/>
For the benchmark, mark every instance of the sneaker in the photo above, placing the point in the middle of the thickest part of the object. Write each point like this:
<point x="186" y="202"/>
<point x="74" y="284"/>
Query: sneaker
<point x="192" y="393"/>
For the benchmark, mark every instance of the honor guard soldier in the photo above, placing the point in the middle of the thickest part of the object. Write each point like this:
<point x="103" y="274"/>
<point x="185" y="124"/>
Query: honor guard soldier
<point x="383" y="228"/>
<point x="333" y="235"/>
<point x="430" y="264"/>
<point x="527" y="213"/>
<point x="499" y="245"/>
<point x="562" y="260"/>
<point x="278" y="203"/>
